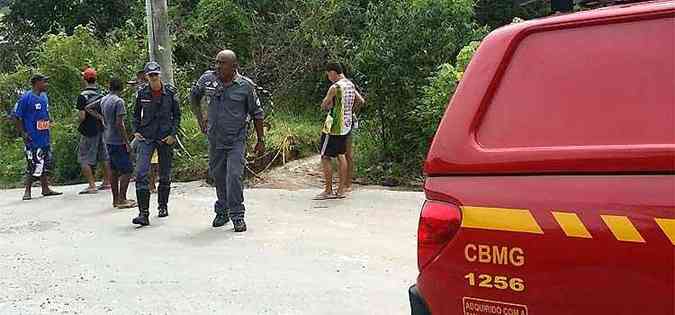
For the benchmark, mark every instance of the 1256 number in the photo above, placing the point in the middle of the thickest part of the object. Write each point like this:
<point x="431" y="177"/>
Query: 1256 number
<point x="497" y="282"/>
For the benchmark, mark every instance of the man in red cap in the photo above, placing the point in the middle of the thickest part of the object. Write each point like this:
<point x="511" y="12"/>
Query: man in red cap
<point x="91" y="149"/>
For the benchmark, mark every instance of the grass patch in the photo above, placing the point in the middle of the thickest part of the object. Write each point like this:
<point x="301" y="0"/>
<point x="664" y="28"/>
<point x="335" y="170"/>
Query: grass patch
<point x="289" y="136"/>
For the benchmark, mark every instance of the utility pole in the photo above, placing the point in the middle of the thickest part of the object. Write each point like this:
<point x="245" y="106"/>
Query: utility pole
<point x="160" y="47"/>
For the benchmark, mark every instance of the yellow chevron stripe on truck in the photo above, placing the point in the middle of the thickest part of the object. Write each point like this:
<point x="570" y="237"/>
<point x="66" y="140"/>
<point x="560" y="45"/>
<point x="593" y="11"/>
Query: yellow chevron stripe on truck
<point x="668" y="227"/>
<point x="571" y="224"/>
<point x="499" y="219"/>
<point x="522" y="221"/>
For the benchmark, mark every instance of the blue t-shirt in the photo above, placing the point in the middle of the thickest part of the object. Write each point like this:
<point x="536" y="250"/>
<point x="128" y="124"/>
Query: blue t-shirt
<point x="33" y="110"/>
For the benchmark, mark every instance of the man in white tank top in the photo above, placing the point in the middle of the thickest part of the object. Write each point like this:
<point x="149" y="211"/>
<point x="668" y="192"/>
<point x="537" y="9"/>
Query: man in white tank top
<point x="339" y="102"/>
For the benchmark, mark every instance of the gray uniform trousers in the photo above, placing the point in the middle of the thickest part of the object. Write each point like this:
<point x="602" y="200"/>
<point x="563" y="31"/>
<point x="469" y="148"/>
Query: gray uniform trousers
<point x="226" y="165"/>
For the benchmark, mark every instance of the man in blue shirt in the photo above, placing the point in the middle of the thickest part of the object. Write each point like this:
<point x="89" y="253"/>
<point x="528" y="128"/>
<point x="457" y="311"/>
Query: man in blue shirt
<point x="33" y="123"/>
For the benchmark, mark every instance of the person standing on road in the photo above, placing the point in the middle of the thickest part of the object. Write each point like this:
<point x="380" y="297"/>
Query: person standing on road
<point x="33" y="123"/>
<point x="91" y="148"/>
<point x="232" y="102"/>
<point x="117" y="144"/>
<point x="156" y="121"/>
<point x="339" y="102"/>
<point x="349" y="150"/>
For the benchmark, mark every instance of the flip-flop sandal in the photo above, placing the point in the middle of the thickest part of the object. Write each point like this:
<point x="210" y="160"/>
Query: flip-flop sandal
<point x="127" y="205"/>
<point x="89" y="191"/>
<point x="104" y="187"/>
<point x="338" y="196"/>
<point x="324" y="196"/>
<point x="52" y="193"/>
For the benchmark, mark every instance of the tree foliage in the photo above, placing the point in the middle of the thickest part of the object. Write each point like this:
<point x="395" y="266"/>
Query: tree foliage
<point x="496" y="13"/>
<point x="406" y="57"/>
<point x="62" y="57"/>
<point x="403" y="45"/>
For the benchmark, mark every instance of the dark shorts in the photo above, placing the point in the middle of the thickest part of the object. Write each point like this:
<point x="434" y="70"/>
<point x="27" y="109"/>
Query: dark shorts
<point x="332" y="146"/>
<point x="39" y="161"/>
<point x="120" y="159"/>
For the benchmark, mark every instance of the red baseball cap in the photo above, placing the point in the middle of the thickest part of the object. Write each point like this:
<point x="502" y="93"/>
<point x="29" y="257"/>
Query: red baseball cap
<point x="89" y="73"/>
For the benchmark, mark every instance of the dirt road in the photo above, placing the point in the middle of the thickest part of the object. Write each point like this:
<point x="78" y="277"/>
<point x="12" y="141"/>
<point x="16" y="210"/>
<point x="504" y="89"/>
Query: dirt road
<point x="77" y="255"/>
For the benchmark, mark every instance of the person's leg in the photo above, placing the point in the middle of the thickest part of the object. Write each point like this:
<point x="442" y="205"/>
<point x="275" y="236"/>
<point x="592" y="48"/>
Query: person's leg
<point x="349" y="157"/>
<point x="342" y="170"/>
<point x="124" y="186"/>
<point x="114" y="187"/>
<point x="88" y="173"/>
<point x="87" y="158"/>
<point x="142" y="190"/>
<point x="107" y="175"/>
<point x="46" y="161"/>
<point x="114" y="176"/>
<point x="105" y="157"/>
<point x="27" y="193"/>
<point x="164" y="189"/>
<point x="218" y="169"/>
<point x="125" y="168"/>
<point x="30" y="168"/>
<point x="327" y="166"/>
<point x="236" y="162"/>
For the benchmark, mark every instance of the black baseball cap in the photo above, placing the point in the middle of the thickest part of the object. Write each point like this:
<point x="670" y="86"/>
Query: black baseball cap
<point x="152" y="68"/>
<point x="38" y="77"/>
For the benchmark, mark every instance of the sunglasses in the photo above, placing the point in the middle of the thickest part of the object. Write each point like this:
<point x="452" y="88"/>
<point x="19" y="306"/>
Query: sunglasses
<point x="153" y="74"/>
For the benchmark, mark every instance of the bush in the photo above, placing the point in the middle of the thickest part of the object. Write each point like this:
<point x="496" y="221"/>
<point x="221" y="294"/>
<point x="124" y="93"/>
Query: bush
<point x="12" y="87"/>
<point x="432" y="104"/>
<point x="464" y="57"/>
<point x="213" y="26"/>
<point x="12" y="164"/>
<point x="403" y="45"/>
<point x="65" y="142"/>
<point x="62" y="58"/>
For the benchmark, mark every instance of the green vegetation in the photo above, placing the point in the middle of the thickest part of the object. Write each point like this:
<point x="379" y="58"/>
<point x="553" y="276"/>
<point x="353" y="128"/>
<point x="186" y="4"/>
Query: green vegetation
<point x="406" y="57"/>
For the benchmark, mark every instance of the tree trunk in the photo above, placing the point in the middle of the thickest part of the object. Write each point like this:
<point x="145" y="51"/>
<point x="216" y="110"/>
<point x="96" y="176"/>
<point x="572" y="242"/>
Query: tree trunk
<point x="160" y="47"/>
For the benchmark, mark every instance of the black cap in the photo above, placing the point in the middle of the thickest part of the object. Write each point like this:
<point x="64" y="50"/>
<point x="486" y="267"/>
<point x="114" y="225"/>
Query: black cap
<point x="38" y="77"/>
<point x="152" y="67"/>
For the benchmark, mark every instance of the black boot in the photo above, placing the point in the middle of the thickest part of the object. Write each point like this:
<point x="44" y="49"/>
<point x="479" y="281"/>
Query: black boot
<point x="163" y="201"/>
<point x="143" y="197"/>
<point x="221" y="219"/>
<point x="239" y="225"/>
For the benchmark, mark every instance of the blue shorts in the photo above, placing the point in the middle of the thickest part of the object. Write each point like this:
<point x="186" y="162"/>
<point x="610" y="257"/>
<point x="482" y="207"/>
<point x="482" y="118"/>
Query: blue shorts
<point x="120" y="160"/>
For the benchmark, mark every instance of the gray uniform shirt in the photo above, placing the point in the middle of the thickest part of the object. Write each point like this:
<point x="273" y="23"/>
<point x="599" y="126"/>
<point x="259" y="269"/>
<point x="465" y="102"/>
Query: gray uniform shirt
<point x="111" y="107"/>
<point x="230" y="107"/>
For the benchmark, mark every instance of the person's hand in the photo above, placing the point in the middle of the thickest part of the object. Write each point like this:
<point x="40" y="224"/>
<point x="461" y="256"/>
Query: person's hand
<point x="260" y="147"/>
<point x="170" y="140"/>
<point x="127" y="147"/>
<point x="26" y="138"/>
<point x="139" y="136"/>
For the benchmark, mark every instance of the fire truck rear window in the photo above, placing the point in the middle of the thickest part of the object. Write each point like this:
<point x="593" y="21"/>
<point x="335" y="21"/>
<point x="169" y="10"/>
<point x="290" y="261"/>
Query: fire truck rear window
<point x="597" y="85"/>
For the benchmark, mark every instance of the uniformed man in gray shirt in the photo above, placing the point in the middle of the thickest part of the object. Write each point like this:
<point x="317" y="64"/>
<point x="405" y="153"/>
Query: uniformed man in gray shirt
<point x="232" y="102"/>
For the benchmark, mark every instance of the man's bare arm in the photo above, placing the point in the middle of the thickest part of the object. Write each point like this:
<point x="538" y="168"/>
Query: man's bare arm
<point x="359" y="101"/>
<point x="119" y="124"/>
<point x="328" y="100"/>
<point x="91" y="109"/>
<point x="18" y="123"/>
